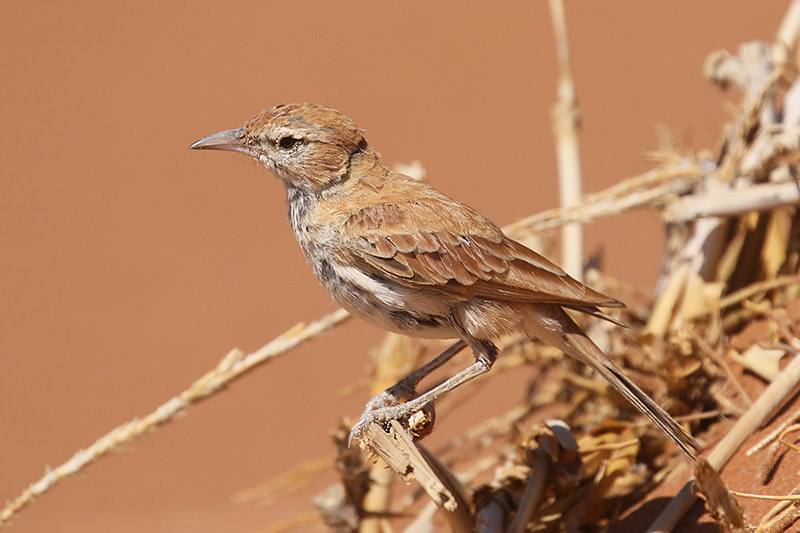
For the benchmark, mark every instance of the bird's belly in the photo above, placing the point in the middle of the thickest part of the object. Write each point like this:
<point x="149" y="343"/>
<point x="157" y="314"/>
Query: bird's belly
<point x="388" y="305"/>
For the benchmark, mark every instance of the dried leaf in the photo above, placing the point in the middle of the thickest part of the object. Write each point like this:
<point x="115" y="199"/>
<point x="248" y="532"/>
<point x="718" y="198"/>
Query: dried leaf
<point x="763" y="362"/>
<point x="776" y="240"/>
<point x="721" y="503"/>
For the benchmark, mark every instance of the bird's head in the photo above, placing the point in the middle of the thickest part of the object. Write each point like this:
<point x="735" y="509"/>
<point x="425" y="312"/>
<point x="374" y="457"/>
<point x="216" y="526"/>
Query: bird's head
<point x="309" y="146"/>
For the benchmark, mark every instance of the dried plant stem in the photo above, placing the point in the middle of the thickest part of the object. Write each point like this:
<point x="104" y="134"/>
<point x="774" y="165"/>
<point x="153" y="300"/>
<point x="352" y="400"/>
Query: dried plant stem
<point x="395" y="359"/>
<point x="757" y="288"/>
<point x="232" y="366"/>
<point x="734" y="202"/>
<point x="565" y="127"/>
<point x="413" y="461"/>
<point x="695" y="258"/>
<point x="770" y="497"/>
<point x="774" y="434"/>
<point x="661" y="316"/>
<point x="784" y="511"/>
<point x="716" y="413"/>
<point x="714" y="356"/>
<point x="788" y="33"/>
<point x="654" y="187"/>
<point x="744" y="427"/>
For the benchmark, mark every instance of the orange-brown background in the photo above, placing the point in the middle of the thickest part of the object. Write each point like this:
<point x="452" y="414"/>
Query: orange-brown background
<point x="131" y="265"/>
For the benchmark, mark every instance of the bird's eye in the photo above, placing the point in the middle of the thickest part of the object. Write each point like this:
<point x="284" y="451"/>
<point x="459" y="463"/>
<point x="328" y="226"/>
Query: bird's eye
<point x="287" y="143"/>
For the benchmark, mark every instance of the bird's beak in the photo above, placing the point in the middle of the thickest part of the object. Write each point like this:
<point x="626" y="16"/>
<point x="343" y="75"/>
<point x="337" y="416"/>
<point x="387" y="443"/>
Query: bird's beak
<point x="224" y="140"/>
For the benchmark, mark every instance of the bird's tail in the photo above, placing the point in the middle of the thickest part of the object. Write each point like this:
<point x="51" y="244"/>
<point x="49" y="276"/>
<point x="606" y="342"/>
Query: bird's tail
<point x="552" y="325"/>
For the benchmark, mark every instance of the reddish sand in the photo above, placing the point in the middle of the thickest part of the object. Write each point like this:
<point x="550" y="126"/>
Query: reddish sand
<point x="130" y="265"/>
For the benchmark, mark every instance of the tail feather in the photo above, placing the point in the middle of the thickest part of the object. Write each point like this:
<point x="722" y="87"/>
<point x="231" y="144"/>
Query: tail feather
<point x="552" y="325"/>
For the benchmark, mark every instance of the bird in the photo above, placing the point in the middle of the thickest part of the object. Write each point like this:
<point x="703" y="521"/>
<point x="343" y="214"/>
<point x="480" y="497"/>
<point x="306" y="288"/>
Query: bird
<point x="399" y="254"/>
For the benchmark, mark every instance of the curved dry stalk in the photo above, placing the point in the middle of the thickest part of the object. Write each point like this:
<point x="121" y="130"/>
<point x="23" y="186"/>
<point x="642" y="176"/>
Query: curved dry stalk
<point x="232" y="366"/>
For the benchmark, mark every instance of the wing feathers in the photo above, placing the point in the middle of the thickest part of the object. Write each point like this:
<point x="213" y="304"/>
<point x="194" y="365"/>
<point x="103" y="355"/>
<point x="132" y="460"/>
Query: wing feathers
<point x="470" y="266"/>
<point x="405" y="243"/>
<point x="390" y="266"/>
<point x="464" y="261"/>
<point x="426" y="242"/>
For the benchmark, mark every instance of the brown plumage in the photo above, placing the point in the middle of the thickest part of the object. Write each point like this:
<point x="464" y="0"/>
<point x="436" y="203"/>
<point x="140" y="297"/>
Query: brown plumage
<point x="403" y="256"/>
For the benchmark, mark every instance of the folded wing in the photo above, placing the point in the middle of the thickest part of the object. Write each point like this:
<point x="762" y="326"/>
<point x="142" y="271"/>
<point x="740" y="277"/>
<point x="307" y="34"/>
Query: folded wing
<point x="455" y="250"/>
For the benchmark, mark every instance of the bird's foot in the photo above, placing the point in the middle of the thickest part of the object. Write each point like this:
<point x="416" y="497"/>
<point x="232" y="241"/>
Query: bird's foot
<point x="416" y="416"/>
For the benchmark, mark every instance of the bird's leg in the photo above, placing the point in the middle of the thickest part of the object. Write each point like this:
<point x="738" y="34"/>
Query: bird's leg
<point x="379" y="409"/>
<point x="407" y="387"/>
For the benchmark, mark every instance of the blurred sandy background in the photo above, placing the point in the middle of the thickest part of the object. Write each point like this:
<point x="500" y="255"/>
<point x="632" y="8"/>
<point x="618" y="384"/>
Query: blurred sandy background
<point x="130" y="265"/>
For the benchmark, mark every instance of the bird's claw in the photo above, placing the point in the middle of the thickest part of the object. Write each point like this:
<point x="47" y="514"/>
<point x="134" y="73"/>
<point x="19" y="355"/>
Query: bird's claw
<point x="358" y="430"/>
<point x="417" y="418"/>
<point x="376" y="411"/>
<point x="371" y="415"/>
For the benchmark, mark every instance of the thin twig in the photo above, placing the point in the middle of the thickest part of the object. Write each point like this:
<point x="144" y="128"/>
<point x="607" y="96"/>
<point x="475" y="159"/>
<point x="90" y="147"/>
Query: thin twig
<point x="757" y="288"/>
<point x="610" y="446"/>
<point x="714" y="356"/>
<point x="654" y="187"/>
<point x="716" y="413"/>
<point x="777" y="497"/>
<point x="232" y="366"/>
<point x="774" y="434"/>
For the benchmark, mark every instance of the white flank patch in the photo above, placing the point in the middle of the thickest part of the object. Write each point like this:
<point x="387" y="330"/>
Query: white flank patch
<point x="380" y="290"/>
